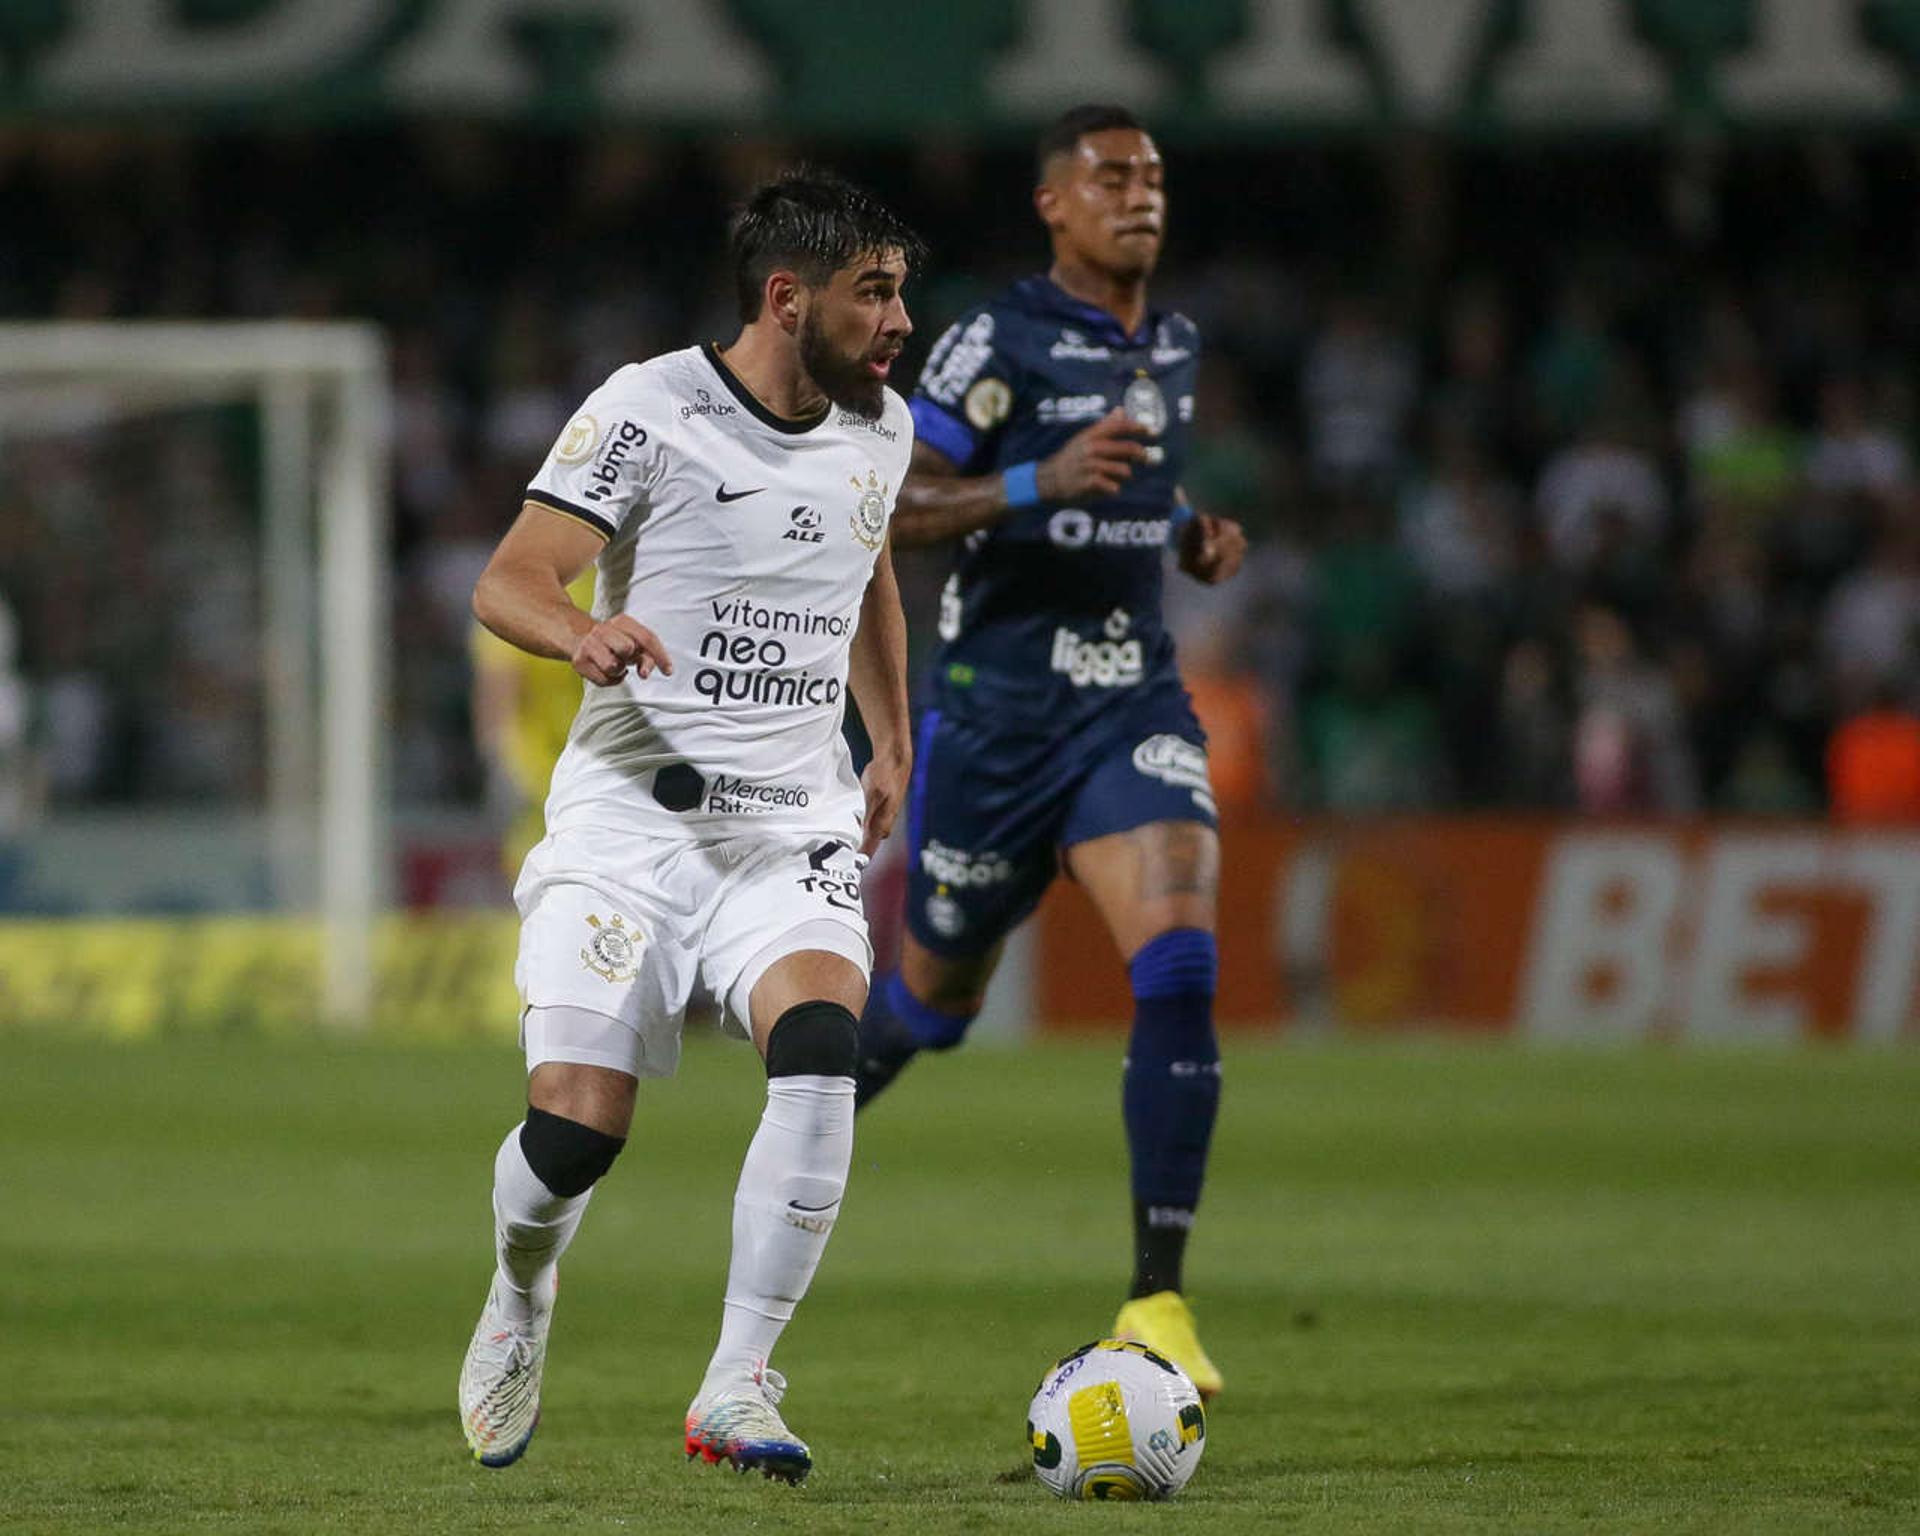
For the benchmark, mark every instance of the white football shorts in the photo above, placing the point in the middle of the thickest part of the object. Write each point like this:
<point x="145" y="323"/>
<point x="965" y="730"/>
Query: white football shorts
<point x="622" y="931"/>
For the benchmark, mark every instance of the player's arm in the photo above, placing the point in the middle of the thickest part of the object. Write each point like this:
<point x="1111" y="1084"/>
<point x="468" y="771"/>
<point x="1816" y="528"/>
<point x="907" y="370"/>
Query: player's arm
<point x="877" y="674"/>
<point x="497" y="686"/>
<point x="522" y="597"/>
<point x="938" y="502"/>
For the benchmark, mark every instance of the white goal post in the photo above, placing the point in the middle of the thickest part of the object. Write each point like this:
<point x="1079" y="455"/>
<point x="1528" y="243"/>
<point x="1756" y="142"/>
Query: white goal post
<point x="322" y="388"/>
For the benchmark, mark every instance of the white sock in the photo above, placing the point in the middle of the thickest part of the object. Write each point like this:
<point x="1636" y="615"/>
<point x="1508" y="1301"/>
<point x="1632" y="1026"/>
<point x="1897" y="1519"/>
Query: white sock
<point x="531" y="1229"/>
<point x="783" y="1212"/>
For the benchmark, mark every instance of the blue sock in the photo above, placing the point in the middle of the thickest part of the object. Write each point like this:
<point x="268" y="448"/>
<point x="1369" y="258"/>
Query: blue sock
<point x="895" y="1027"/>
<point x="1170" y="1094"/>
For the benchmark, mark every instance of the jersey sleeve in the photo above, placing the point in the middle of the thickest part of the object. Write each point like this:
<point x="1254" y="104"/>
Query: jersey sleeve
<point x="607" y="459"/>
<point x="966" y="391"/>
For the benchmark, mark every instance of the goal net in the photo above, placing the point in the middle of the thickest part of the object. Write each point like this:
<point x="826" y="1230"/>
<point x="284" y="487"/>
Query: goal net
<point x="193" y="574"/>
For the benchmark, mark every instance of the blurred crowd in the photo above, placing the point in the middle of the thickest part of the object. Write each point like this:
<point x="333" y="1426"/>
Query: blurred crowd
<point x="1579" y="476"/>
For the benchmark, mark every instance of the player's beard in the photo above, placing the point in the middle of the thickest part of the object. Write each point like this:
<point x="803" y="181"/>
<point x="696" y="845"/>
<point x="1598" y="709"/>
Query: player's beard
<point x="843" y="380"/>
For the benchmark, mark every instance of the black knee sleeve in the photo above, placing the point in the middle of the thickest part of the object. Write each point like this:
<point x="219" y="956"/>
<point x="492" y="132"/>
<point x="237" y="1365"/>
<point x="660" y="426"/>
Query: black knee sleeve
<point x="565" y="1155"/>
<point x="817" y="1039"/>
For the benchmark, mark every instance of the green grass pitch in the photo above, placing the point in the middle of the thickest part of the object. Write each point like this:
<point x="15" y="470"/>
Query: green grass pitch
<point x="1453" y="1288"/>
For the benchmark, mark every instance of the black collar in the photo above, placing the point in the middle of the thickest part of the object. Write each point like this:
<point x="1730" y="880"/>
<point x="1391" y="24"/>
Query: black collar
<point x="791" y="424"/>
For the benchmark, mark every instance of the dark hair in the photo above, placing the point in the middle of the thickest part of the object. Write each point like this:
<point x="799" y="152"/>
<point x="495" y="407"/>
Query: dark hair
<point x="814" y="223"/>
<point x="1061" y="135"/>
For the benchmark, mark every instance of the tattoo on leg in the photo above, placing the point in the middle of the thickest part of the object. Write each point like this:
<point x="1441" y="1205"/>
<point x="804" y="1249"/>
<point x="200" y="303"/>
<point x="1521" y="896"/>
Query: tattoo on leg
<point x="1179" y="861"/>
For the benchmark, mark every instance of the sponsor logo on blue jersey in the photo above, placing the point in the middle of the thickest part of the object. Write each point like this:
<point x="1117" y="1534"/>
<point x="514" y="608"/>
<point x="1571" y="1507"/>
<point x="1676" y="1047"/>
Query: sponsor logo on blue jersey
<point x="1076" y="408"/>
<point x="1021" y="619"/>
<point x="1075" y="347"/>
<point x="1113" y="661"/>
<point x="957" y="360"/>
<point x="1072" y="528"/>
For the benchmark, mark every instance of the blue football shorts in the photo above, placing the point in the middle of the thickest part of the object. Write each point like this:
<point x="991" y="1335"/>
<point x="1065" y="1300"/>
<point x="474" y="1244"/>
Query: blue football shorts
<point x="990" y="810"/>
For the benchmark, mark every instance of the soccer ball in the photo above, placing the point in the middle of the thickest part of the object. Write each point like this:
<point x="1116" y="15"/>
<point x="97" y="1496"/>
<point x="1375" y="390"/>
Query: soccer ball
<point x="1114" y="1420"/>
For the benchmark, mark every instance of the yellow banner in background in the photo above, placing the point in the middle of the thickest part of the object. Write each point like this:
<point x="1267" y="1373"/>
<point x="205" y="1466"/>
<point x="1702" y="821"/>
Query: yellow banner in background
<point x="437" y="974"/>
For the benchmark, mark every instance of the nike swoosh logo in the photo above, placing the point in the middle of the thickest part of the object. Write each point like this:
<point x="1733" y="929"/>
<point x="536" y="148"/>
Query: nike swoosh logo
<point x="797" y="1206"/>
<point x="723" y="494"/>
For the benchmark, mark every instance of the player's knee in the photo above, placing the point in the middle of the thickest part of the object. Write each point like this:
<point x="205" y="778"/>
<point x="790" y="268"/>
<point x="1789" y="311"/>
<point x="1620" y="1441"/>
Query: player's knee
<point x="816" y="1039"/>
<point x="932" y="1028"/>
<point x="566" y="1156"/>
<point x="1180" y="962"/>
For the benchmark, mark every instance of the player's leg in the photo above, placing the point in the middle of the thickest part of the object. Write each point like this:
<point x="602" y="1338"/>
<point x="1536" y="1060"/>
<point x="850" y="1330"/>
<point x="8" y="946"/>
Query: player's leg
<point x="589" y="974"/>
<point x="980" y="835"/>
<point x="795" y="1171"/>
<point x="802" y="1009"/>
<point x="577" y="1118"/>
<point x="925" y="1005"/>
<point x="1155" y="885"/>
<point x="577" y="1121"/>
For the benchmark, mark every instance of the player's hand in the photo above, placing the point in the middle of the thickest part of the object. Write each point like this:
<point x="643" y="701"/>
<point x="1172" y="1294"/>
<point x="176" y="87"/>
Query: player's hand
<point x="1211" y="548"/>
<point x="1096" y="461"/>
<point x="885" y="783"/>
<point x="603" y="654"/>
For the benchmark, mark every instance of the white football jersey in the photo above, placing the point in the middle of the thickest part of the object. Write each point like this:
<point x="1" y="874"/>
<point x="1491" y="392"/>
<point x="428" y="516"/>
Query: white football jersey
<point x="745" y="542"/>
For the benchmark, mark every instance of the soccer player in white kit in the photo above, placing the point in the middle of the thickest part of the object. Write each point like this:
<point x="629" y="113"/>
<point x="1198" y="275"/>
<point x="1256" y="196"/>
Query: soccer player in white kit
<point x="706" y="831"/>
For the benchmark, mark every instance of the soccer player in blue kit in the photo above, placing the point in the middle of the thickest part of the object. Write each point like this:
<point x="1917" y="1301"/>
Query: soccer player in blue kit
<point x="1052" y="428"/>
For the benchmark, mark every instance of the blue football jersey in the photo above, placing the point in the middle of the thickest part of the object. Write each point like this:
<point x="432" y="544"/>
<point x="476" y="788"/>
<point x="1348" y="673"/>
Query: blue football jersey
<point x="1054" y="608"/>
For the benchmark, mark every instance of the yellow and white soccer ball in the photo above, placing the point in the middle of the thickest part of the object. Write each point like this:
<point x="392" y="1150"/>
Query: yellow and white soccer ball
<point x="1114" y="1420"/>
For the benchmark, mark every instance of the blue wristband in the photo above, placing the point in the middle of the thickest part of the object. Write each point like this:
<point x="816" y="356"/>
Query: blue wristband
<point x="1022" y="483"/>
<point x="1183" y="514"/>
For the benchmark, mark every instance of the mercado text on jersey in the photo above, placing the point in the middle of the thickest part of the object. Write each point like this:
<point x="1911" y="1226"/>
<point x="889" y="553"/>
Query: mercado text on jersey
<point x="745" y="542"/>
<point x="1055" y="606"/>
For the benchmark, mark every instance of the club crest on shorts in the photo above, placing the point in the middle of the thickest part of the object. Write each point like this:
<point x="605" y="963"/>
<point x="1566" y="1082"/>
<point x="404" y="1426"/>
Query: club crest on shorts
<point x="613" y="951"/>
<point x="944" y="915"/>
<point x="869" y="520"/>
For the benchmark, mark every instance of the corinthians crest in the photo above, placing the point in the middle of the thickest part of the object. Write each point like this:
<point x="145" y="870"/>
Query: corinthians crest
<point x="869" y="520"/>
<point x="613" y="950"/>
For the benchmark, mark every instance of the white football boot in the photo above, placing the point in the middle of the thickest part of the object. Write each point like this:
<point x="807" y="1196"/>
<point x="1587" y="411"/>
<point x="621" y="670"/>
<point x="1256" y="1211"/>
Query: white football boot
<point x="739" y="1422"/>
<point x="500" y="1380"/>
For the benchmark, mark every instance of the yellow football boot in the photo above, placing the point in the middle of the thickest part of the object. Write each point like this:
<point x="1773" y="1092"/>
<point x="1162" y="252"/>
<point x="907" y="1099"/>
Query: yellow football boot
<point x="1164" y="1323"/>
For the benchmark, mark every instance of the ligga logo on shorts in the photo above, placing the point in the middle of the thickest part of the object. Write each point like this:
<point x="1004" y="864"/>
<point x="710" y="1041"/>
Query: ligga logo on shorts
<point x="613" y="951"/>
